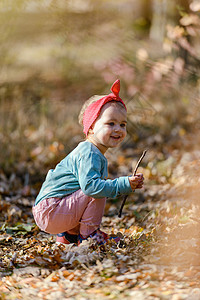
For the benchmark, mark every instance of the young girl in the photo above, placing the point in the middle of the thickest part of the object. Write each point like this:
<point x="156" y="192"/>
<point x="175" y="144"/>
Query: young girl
<point x="72" y="198"/>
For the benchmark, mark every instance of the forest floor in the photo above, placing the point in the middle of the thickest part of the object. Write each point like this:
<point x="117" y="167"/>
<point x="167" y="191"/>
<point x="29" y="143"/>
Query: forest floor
<point x="157" y="258"/>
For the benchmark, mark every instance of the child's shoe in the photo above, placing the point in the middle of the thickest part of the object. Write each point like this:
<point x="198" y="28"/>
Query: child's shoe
<point x="99" y="237"/>
<point x="66" y="238"/>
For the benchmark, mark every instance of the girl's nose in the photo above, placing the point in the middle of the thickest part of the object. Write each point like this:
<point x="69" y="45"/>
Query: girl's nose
<point x="117" y="128"/>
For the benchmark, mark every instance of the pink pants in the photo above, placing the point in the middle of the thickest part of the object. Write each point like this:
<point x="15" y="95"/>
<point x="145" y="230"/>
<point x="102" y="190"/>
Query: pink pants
<point x="76" y="213"/>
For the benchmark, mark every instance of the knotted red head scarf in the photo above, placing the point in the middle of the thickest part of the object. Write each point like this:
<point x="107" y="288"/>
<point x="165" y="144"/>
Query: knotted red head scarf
<point x="93" y="110"/>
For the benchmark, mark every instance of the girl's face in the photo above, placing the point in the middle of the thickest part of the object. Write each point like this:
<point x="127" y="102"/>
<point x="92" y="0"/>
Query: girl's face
<point x="109" y="130"/>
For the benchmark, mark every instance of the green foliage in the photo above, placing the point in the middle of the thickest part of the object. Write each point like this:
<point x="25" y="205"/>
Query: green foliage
<point x="141" y="25"/>
<point x="18" y="229"/>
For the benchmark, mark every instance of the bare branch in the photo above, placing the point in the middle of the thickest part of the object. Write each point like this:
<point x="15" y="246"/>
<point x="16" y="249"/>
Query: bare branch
<point x="134" y="173"/>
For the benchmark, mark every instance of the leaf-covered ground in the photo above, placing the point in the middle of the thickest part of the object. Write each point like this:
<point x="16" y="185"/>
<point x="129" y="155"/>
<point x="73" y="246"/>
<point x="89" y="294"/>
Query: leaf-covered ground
<point x="157" y="257"/>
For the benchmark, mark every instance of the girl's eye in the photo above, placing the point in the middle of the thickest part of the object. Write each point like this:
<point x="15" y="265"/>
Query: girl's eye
<point x="111" y="124"/>
<point x="123" y="125"/>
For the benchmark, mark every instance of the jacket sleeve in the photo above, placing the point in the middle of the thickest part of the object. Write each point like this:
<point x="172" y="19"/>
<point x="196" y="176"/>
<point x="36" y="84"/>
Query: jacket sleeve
<point x="91" y="183"/>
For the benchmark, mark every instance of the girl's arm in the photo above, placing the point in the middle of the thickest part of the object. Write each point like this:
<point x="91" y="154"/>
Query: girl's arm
<point x="91" y="182"/>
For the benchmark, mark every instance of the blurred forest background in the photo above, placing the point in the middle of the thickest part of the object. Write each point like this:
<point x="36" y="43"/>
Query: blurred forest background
<point x="56" y="54"/>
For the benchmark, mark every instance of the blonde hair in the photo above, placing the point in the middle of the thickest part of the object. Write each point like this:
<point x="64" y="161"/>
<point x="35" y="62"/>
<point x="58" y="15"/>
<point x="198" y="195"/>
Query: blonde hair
<point x="85" y="106"/>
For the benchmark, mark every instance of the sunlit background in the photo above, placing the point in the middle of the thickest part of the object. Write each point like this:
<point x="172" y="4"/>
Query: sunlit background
<point x="56" y="54"/>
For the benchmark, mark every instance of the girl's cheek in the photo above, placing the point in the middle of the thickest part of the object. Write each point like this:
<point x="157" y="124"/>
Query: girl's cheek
<point x="106" y="130"/>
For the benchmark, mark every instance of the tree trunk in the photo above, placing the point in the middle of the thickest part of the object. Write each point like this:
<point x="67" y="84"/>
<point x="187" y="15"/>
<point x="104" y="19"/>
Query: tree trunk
<point x="159" y="17"/>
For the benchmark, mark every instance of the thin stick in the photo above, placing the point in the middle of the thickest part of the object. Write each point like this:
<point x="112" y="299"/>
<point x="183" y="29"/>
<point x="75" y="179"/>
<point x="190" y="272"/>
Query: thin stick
<point x="134" y="173"/>
<point x="139" y="161"/>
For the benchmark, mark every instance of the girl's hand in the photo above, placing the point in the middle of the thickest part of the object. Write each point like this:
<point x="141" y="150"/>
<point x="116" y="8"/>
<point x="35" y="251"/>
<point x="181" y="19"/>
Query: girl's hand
<point x="137" y="181"/>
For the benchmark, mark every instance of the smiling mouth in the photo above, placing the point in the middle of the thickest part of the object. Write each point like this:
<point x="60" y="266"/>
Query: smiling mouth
<point x="115" y="137"/>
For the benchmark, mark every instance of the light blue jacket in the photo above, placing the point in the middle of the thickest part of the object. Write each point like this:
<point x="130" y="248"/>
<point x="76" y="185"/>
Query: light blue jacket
<point x="84" y="168"/>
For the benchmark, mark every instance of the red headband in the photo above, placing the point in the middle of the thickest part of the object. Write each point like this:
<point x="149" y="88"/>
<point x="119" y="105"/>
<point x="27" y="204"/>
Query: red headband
<point x="93" y="110"/>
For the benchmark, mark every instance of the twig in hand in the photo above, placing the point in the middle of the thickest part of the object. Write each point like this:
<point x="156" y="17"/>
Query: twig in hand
<point x="134" y="173"/>
<point x="139" y="161"/>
